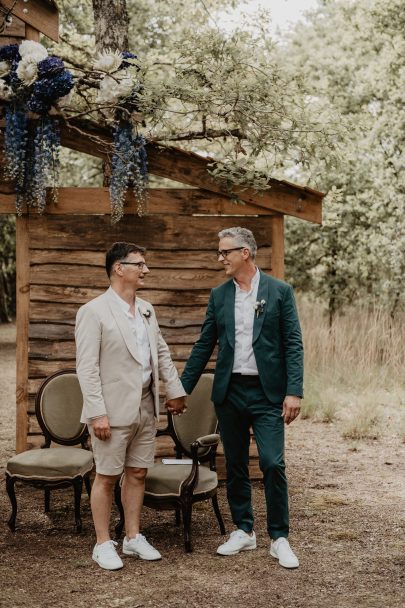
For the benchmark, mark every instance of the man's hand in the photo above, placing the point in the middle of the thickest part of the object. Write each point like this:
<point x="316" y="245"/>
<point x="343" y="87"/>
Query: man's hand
<point x="176" y="406"/>
<point x="101" y="428"/>
<point x="291" y="408"/>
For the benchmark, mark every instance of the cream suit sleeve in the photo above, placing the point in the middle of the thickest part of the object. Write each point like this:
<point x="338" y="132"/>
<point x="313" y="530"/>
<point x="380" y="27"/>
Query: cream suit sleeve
<point x="167" y="370"/>
<point x="88" y="341"/>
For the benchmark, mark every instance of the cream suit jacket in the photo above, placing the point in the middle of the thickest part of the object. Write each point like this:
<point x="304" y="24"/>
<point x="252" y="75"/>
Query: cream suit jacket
<point x="107" y="363"/>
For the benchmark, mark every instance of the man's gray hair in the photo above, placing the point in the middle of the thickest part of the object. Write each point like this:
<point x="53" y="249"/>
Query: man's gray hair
<point x="243" y="238"/>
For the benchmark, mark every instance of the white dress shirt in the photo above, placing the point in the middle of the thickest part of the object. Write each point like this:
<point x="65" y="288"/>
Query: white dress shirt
<point x="244" y="361"/>
<point x="137" y="325"/>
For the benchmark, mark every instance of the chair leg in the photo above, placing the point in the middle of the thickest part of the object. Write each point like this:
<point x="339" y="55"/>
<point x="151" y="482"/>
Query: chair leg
<point x="47" y="500"/>
<point x="218" y="514"/>
<point x="10" y="481"/>
<point x="117" y="496"/>
<point x="186" y="509"/>
<point x="178" y="516"/>
<point x="88" y="485"/>
<point x="78" y="487"/>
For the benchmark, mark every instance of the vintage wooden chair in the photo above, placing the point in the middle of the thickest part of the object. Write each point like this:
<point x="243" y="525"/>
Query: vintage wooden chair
<point x="179" y="486"/>
<point x="58" y="406"/>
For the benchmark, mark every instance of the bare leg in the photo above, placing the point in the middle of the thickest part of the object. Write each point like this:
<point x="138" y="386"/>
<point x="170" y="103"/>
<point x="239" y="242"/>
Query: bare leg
<point x="132" y="492"/>
<point x="101" y="500"/>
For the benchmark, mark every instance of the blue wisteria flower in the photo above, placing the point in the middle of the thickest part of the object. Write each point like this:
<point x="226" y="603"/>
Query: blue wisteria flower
<point x="129" y="169"/>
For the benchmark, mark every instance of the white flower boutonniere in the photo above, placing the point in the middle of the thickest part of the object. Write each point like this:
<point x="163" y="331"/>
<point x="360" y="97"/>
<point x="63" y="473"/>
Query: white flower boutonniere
<point x="147" y="313"/>
<point x="259" y="307"/>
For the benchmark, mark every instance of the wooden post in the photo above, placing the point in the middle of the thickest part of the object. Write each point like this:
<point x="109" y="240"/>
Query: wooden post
<point x="23" y="302"/>
<point x="277" y="246"/>
<point x="22" y="314"/>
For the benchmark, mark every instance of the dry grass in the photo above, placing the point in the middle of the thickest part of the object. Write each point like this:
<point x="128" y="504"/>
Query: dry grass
<point x="354" y="371"/>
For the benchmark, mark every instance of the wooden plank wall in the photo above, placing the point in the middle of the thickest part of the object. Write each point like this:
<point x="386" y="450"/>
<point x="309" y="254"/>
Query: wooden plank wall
<point x="67" y="255"/>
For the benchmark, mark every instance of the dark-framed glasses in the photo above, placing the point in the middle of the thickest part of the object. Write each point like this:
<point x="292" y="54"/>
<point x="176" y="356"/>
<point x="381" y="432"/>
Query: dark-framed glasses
<point x="140" y="265"/>
<point x="224" y="252"/>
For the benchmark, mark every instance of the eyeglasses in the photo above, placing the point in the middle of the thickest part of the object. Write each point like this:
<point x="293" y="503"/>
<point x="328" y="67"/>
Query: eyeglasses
<point x="225" y="252"/>
<point x="139" y="264"/>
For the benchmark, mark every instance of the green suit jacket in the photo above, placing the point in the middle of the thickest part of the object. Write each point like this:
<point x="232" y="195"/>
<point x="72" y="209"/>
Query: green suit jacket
<point x="277" y="342"/>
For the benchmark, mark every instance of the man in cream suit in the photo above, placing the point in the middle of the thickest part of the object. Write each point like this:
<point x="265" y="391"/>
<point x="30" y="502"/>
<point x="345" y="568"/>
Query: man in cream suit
<point x="120" y="356"/>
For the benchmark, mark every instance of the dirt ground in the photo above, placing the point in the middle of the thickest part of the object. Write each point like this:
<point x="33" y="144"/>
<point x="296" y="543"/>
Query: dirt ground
<point x="347" y="527"/>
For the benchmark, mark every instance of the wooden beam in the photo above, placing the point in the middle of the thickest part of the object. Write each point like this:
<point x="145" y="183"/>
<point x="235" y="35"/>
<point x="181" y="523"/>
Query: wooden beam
<point x="178" y="201"/>
<point x="192" y="169"/>
<point x="40" y="15"/>
<point x="16" y="29"/>
<point x="277" y="247"/>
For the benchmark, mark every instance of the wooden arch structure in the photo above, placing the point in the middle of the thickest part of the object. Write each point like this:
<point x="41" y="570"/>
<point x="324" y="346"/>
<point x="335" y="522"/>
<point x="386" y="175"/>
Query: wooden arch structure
<point x="60" y="254"/>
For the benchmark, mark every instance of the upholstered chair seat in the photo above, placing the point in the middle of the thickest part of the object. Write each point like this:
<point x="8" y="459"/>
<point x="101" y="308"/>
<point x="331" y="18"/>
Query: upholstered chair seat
<point x="58" y="407"/>
<point x="179" y="486"/>
<point x="52" y="464"/>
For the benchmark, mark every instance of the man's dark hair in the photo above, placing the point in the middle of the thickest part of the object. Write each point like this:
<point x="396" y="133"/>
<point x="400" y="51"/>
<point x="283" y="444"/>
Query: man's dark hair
<point x="119" y="251"/>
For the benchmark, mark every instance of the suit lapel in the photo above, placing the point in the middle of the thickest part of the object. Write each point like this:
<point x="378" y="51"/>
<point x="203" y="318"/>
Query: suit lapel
<point x="229" y="313"/>
<point x="123" y="326"/>
<point x="262" y="294"/>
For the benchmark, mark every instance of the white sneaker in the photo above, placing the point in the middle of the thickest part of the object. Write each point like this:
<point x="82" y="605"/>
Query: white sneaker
<point x="106" y="556"/>
<point x="238" y="541"/>
<point x="281" y="550"/>
<point x="140" y="547"/>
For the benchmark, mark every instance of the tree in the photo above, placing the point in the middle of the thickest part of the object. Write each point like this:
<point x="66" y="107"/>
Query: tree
<point x="352" y="56"/>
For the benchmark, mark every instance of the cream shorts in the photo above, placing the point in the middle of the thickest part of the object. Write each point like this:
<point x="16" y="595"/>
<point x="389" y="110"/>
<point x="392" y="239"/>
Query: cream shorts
<point x="128" y="446"/>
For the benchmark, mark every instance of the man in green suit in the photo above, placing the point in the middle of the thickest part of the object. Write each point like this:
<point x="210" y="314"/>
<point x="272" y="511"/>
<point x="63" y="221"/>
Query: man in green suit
<point x="257" y="383"/>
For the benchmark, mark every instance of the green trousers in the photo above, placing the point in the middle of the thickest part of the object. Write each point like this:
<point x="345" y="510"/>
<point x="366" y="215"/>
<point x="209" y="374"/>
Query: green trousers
<point x="247" y="406"/>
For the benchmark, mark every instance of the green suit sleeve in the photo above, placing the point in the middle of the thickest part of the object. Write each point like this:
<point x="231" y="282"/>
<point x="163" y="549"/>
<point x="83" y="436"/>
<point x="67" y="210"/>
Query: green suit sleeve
<point x="202" y="349"/>
<point x="292" y="342"/>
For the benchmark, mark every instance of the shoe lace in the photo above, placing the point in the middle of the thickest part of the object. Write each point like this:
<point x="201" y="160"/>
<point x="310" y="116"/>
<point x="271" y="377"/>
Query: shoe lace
<point x="108" y="549"/>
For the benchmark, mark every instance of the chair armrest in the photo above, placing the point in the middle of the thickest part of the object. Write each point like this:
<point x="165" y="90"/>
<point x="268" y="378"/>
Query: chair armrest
<point x="207" y="440"/>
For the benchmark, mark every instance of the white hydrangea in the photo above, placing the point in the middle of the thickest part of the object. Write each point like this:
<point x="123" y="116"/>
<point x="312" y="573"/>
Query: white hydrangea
<point x="4" y="68"/>
<point x="108" y="61"/>
<point x="5" y="90"/>
<point x="114" y="88"/>
<point x="125" y="84"/>
<point x="33" y="50"/>
<point x="27" y="70"/>
<point x="108" y="92"/>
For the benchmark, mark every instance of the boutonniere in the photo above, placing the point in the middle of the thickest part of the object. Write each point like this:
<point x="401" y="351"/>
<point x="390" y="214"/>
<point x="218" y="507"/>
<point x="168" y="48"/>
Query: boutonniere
<point x="147" y="313"/>
<point x="259" y="307"/>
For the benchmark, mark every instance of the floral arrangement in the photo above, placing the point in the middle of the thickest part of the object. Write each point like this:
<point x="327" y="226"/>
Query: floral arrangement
<point x="31" y="81"/>
<point x="119" y="90"/>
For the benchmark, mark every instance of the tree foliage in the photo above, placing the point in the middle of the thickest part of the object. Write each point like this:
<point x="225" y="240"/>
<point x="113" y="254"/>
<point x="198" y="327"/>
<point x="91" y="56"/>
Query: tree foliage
<point x="352" y="56"/>
<point x="214" y="92"/>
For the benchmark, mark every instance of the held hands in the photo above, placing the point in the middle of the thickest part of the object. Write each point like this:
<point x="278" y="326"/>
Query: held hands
<point x="101" y="428"/>
<point x="291" y="408"/>
<point x="176" y="406"/>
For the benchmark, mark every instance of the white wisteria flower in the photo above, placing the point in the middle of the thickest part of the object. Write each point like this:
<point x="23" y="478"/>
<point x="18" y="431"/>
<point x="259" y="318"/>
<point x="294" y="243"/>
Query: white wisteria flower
<point x="5" y="90"/>
<point x="27" y="70"/>
<point x="32" y="49"/>
<point x="108" y="61"/>
<point x="5" y="68"/>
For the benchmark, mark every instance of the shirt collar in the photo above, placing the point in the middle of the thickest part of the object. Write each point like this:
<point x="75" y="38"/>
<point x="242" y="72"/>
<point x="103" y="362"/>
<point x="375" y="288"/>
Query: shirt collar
<point x="125" y="307"/>
<point x="254" y="283"/>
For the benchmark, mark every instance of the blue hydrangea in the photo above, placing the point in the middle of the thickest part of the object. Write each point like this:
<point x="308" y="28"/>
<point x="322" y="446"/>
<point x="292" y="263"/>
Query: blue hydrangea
<point x="50" y="66"/>
<point x="128" y="55"/>
<point x="46" y="91"/>
<point x="9" y="52"/>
